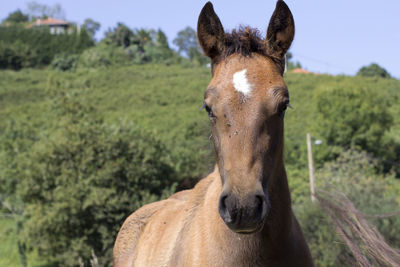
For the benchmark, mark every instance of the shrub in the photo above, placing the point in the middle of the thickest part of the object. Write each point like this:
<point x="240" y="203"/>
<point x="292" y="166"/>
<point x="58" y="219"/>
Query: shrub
<point x="17" y="55"/>
<point x="64" y="62"/>
<point x="16" y="140"/>
<point x="353" y="173"/>
<point x="158" y="54"/>
<point x="353" y="117"/>
<point x="121" y="35"/>
<point x="83" y="179"/>
<point x="103" y="56"/>
<point x="373" y="70"/>
<point x="37" y="47"/>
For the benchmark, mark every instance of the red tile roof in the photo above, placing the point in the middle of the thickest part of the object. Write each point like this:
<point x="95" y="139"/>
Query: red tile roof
<point x="48" y="21"/>
<point x="300" y="70"/>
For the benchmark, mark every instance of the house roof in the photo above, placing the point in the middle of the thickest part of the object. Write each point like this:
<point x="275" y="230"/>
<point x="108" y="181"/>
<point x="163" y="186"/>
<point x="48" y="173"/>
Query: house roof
<point x="300" y="70"/>
<point x="48" y="22"/>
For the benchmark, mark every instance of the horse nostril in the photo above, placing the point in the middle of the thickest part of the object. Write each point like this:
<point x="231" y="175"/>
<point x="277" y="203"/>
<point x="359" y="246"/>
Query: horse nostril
<point x="222" y="208"/>
<point x="222" y="204"/>
<point x="227" y="208"/>
<point x="261" y="206"/>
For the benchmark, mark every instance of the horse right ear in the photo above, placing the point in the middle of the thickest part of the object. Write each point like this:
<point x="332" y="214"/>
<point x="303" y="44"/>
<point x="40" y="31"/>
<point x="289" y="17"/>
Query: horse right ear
<point x="280" y="31"/>
<point x="210" y="32"/>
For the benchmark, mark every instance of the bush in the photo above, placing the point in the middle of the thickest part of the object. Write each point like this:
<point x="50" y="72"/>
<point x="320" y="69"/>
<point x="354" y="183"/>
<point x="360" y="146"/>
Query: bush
<point x="37" y="47"/>
<point x="103" y="56"/>
<point x="82" y="180"/>
<point x="373" y="70"/>
<point x="64" y="62"/>
<point x="353" y="117"/>
<point x="141" y="45"/>
<point x="353" y="173"/>
<point x="16" y="140"/>
<point x="17" y="55"/>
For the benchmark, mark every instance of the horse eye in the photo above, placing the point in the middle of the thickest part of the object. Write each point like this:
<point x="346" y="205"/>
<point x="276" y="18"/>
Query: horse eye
<point x="209" y="110"/>
<point x="284" y="106"/>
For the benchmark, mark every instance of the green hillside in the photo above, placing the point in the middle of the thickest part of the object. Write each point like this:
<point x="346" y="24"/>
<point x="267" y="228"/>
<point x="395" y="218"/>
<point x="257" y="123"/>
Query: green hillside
<point x="165" y="101"/>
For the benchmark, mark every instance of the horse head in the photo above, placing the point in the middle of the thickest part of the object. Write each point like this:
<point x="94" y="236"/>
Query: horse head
<point x="246" y="101"/>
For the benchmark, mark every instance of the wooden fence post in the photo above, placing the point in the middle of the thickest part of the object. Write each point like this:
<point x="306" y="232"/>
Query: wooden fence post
<point x="311" y="167"/>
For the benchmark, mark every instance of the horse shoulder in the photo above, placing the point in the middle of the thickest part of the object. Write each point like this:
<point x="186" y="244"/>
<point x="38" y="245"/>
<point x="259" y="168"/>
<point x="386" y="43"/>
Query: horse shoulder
<point x="134" y="226"/>
<point x="181" y="195"/>
<point x="130" y="231"/>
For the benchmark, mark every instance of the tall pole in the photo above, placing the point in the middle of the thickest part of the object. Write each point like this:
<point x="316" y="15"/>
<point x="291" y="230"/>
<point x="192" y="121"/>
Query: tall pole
<point x="311" y="167"/>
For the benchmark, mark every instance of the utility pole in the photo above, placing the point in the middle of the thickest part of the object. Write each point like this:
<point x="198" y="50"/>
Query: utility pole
<point x="311" y="167"/>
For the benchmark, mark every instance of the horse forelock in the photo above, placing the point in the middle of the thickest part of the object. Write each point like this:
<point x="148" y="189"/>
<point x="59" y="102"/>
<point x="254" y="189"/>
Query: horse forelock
<point x="246" y="41"/>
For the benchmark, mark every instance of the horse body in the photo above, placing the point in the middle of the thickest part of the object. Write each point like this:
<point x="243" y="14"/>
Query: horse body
<point x="191" y="233"/>
<point x="240" y="215"/>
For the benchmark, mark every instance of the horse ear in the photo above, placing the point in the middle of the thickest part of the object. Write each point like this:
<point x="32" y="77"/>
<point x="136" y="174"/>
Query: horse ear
<point x="210" y="32"/>
<point x="280" y="31"/>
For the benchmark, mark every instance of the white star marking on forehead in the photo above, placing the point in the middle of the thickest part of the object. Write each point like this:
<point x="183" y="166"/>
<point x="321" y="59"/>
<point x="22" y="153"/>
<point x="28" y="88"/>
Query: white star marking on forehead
<point x="241" y="83"/>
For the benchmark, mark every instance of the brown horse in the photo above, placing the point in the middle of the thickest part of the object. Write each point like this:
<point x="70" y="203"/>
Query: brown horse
<point x="240" y="215"/>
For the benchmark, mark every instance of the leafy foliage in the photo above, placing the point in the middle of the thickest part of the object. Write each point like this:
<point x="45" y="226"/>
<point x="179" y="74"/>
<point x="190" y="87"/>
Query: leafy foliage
<point x="102" y="56"/>
<point x="356" y="117"/>
<point x="353" y="117"/>
<point x="64" y="62"/>
<point x="373" y="70"/>
<point x="91" y="26"/>
<point x="353" y="174"/>
<point x="20" y="47"/>
<point x="17" y="55"/>
<point x="290" y="64"/>
<point x="141" y="45"/>
<point x="84" y="178"/>
<point x="35" y="10"/>
<point x="121" y="35"/>
<point x="16" y="17"/>
<point x="163" y="100"/>
<point x="186" y="41"/>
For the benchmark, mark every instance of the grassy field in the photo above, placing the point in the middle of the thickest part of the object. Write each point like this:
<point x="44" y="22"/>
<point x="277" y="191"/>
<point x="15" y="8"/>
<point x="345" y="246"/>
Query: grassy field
<point x="8" y="243"/>
<point x="165" y="100"/>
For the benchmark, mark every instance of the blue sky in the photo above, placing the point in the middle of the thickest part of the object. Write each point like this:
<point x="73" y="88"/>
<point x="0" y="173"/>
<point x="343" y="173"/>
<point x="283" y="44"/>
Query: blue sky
<point x="336" y="37"/>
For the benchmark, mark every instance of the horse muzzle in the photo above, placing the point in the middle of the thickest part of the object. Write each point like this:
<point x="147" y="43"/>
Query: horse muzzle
<point x="244" y="215"/>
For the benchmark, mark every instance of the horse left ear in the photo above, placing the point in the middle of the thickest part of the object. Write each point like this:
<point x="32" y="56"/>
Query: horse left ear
<point x="280" y="31"/>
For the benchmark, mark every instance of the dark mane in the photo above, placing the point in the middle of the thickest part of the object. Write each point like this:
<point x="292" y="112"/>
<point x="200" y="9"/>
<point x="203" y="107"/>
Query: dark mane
<point x="244" y="41"/>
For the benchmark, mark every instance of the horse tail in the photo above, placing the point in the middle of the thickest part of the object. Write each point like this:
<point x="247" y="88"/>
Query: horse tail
<point x="363" y="239"/>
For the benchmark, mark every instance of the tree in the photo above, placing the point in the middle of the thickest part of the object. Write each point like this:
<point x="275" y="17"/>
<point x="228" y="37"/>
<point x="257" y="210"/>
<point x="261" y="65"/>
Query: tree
<point x="355" y="117"/>
<point x="21" y="47"/>
<point x="161" y="39"/>
<point x="34" y="10"/>
<point x="91" y="26"/>
<point x="121" y="35"/>
<point x="373" y="70"/>
<point x="186" y="40"/>
<point x="16" y="17"/>
<point x="142" y="37"/>
<point x="291" y="65"/>
<point x="82" y="179"/>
